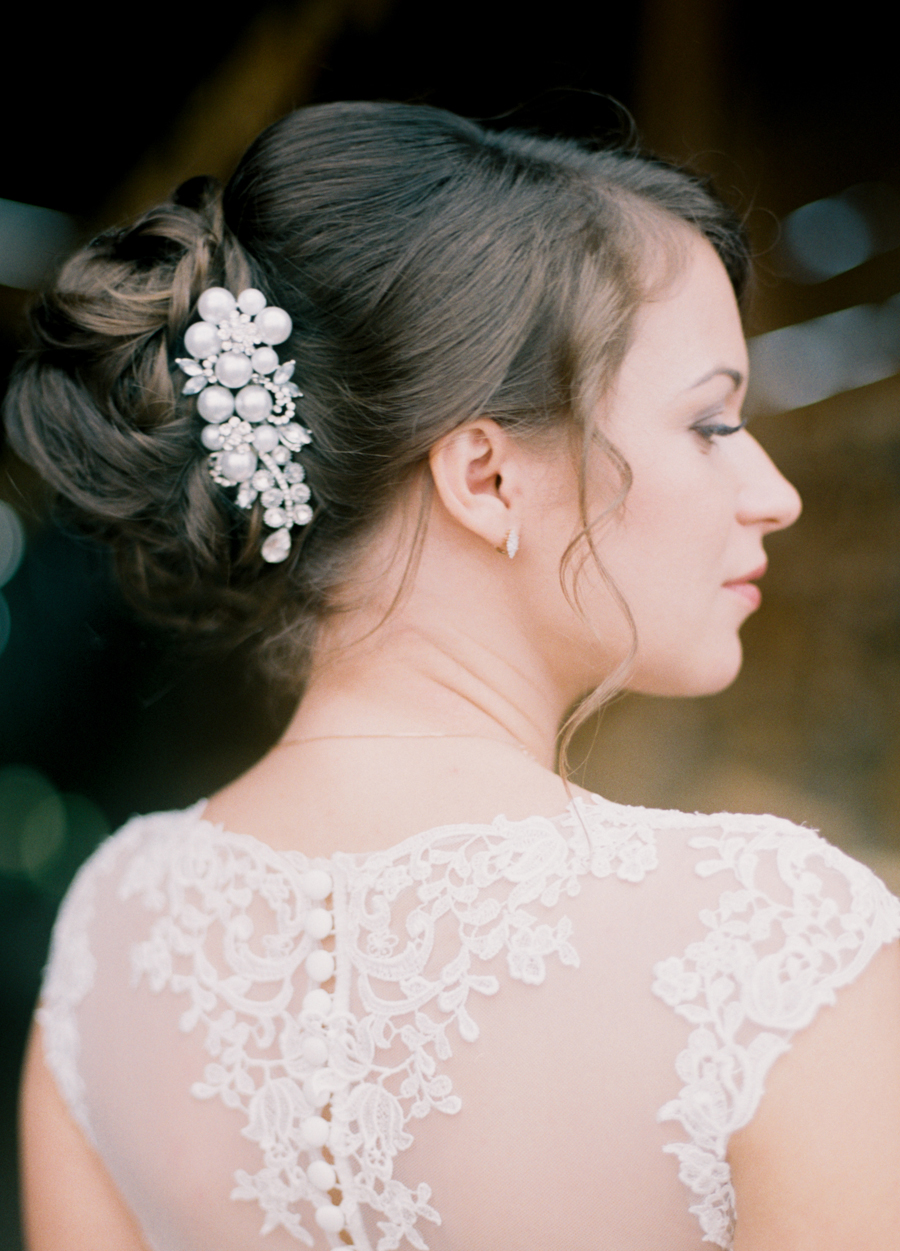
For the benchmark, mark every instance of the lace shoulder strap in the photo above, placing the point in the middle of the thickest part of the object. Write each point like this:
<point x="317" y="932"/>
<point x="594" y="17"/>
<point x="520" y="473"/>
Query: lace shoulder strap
<point x="795" y="920"/>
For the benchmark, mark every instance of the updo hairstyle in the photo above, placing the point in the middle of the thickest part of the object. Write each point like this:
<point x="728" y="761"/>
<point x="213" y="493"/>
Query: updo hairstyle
<point x="434" y="271"/>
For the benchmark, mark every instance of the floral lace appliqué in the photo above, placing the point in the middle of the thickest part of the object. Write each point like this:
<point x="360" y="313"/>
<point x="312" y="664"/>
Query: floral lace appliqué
<point x="331" y="1096"/>
<point x="773" y="954"/>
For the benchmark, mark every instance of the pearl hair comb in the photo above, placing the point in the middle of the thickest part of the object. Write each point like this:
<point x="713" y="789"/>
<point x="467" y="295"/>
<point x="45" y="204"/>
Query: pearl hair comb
<point x="246" y="397"/>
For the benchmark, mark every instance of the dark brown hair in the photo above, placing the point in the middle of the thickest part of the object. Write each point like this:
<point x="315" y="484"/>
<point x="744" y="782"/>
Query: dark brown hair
<point x="434" y="271"/>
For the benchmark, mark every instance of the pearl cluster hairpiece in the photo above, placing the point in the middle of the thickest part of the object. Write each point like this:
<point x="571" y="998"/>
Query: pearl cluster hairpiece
<point x="232" y="351"/>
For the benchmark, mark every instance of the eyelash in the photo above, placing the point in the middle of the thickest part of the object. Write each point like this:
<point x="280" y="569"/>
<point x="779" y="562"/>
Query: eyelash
<point x="708" y="432"/>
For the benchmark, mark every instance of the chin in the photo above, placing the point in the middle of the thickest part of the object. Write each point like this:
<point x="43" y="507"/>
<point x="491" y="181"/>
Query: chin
<point x="688" y="681"/>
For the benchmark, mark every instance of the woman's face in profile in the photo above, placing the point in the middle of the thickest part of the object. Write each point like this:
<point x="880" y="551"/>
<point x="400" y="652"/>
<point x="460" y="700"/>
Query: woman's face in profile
<point x="688" y="544"/>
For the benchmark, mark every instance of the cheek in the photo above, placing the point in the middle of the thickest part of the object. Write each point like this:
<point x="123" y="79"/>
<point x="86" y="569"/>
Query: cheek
<point x="677" y="510"/>
<point x="661" y="533"/>
<point x="668" y="558"/>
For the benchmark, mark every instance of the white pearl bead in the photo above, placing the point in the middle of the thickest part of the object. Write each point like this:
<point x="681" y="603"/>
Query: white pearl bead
<point x="303" y="514"/>
<point x="322" y="1174"/>
<point x="265" y="438"/>
<point x="202" y="340"/>
<point x="253" y="403"/>
<point x="264" y="360"/>
<point x="215" y="404"/>
<point x="315" y="1050"/>
<point x="238" y="465"/>
<point x="320" y="965"/>
<point x="331" y="1219"/>
<point x="276" y="547"/>
<point x="318" y="923"/>
<point x="315" y="1130"/>
<point x="234" y="369"/>
<point x="212" y="438"/>
<point x="316" y="884"/>
<point x="274" y="325"/>
<point x="216" y="304"/>
<point x="251" y="301"/>
<point x="317" y="1002"/>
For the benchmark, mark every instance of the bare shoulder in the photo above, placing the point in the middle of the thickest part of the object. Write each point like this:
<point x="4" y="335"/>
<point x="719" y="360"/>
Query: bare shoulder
<point x="69" y="1201"/>
<point x="818" y="1168"/>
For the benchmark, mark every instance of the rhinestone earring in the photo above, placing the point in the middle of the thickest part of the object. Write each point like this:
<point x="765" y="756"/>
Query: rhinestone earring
<point x="510" y="544"/>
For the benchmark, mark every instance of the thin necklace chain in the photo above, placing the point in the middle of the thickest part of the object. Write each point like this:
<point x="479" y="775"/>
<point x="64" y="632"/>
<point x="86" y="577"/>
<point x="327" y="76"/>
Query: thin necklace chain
<point x="332" y="738"/>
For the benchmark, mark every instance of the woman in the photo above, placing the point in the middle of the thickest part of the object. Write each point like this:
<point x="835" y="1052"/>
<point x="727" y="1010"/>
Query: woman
<point x="345" y="1002"/>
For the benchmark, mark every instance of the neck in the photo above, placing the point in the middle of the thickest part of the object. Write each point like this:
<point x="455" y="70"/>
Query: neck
<point x="409" y="681"/>
<point x="470" y="643"/>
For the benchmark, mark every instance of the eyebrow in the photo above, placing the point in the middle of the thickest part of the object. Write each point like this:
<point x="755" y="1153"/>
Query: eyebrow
<point x="735" y="375"/>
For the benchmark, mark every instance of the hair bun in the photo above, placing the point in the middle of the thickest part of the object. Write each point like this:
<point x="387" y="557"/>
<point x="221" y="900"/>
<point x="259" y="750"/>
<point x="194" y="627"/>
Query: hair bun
<point x="94" y="407"/>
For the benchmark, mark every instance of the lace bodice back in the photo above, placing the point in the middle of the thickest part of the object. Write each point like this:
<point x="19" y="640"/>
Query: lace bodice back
<point x="531" y="1034"/>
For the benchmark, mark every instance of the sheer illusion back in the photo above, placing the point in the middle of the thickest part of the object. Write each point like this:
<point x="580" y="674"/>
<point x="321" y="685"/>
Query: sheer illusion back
<point x="535" y="1033"/>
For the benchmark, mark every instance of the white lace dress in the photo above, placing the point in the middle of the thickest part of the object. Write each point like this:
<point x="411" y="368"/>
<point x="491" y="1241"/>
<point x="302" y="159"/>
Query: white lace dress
<point x="531" y="1034"/>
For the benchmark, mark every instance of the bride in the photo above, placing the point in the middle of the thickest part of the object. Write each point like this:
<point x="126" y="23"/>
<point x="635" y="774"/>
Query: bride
<point x="449" y="422"/>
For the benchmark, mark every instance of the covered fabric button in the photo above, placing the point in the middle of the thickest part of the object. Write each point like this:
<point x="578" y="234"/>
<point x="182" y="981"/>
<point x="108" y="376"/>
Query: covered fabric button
<point x="322" y="1174"/>
<point x="330" y="1218"/>
<point x="320" y="965"/>
<point x="317" y="1001"/>
<point x="315" y="1130"/>
<point x="318" y="923"/>
<point x="316" y="884"/>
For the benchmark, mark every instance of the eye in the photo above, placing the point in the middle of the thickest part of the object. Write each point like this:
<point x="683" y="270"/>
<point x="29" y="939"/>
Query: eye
<point x="709" y="430"/>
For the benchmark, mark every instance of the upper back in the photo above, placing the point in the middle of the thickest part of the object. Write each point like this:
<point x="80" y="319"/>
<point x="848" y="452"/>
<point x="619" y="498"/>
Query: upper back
<point x="532" y="1012"/>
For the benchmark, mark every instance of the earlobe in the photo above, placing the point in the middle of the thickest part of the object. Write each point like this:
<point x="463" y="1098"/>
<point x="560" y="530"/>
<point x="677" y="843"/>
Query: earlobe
<point x="474" y="474"/>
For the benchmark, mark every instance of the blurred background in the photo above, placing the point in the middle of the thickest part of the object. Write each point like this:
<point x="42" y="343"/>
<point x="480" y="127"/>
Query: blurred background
<point x="796" y="118"/>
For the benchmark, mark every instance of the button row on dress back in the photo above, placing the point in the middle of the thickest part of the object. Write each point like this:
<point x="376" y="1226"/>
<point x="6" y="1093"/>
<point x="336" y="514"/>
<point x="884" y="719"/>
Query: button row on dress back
<point x="317" y="886"/>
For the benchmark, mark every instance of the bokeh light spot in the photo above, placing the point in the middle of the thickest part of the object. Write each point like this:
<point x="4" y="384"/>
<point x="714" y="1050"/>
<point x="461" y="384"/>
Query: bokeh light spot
<point x="812" y="360"/>
<point x="826" y="238"/>
<point x="42" y="835"/>
<point x="23" y="791"/>
<point x="45" y="835"/>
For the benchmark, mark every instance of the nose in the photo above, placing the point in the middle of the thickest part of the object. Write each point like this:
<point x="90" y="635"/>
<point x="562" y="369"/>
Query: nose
<point x="767" y="499"/>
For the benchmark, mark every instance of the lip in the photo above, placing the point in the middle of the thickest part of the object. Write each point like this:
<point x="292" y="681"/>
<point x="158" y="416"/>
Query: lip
<point x="746" y="586"/>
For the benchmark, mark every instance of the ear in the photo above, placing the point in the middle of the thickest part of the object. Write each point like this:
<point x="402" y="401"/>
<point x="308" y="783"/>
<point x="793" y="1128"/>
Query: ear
<point x="478" y="478"/>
